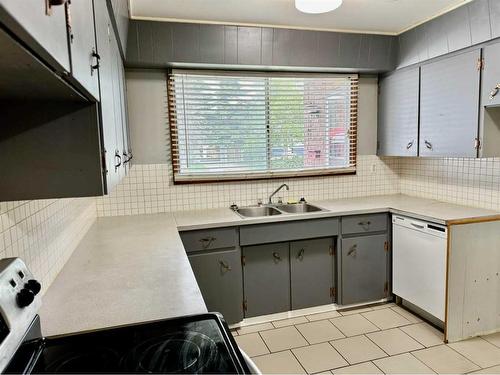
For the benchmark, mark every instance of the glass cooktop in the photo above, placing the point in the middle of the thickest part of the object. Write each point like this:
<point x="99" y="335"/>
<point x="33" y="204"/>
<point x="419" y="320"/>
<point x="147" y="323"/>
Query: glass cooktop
<point x="190" y="345"/>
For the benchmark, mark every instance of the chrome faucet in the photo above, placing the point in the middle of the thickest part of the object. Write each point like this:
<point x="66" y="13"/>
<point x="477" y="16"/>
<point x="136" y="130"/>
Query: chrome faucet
<point x="276" y="191"/>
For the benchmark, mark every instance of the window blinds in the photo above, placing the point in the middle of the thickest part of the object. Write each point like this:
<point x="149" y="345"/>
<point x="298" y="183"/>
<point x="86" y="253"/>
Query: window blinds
<point x="234" y="125"/>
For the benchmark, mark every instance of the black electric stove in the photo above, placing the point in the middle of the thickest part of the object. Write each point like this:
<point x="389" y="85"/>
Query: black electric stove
<point x="197" y="344"/>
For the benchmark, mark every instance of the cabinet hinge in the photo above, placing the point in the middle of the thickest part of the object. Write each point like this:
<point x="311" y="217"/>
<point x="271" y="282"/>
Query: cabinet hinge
<point x="245" y="305"/>
<point x="477" y="143"/>
<point x="333" y="292"/>
<point x="386" y="288"/>
<point x="480" y="64"/>
<point x="333" y="252"/>
<point x="243" y="260"/>
<point x="386" y="246"/>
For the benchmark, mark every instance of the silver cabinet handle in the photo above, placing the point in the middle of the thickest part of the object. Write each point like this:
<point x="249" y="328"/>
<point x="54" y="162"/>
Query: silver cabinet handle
<point x="428" y="144"/>
<point x="494" y="92"/>
<point x="224" y="265"/>
<point x="300" y="255"/>
<point x="364" y="223"/>
<point x="409" y="145"/>
<point x="352" y="250"/>
<point x="277" y="256"/>
<point x="206" y="242"/>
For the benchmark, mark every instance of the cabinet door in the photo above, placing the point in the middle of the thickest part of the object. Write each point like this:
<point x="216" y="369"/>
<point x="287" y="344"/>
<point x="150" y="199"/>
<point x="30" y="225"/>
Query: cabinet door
<point x="449" y="106"/>
<point x="398" y="113"/>
<point x="118" y="106"/>
<point x="266" y="279"/>
<point x="108" y="123"/>
<point x="43" y="30"/>
<point x="311" y="270"/>
<point x="363" y="269"/>
<point x="219" y="278"/>
<point x="490" y="95"/>
<point x="83" y="46"/>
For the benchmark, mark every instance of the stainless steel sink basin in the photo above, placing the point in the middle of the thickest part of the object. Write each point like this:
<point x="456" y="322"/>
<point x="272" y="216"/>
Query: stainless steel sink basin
<point x="298" y="208"/>
<point x="257" y="211"/>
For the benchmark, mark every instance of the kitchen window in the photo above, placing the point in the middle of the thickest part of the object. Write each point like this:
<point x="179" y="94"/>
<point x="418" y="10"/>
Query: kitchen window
<point x="236" y="126"/>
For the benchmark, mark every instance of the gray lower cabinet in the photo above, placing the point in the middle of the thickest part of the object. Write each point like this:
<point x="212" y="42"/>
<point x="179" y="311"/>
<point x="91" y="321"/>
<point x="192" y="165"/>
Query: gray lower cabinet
<point x="363" y="269"/>
<point x="449" y="108"/>
<point x="266" y="279"/>
<point x="398" y="113"/>
<point x="311" y="271"/>
<point x="219" y="277"/>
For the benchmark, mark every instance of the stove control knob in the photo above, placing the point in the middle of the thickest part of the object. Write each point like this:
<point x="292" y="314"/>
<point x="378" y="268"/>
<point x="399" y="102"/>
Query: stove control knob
<point x="34" y="286"/>
<point x="25" y="297"/>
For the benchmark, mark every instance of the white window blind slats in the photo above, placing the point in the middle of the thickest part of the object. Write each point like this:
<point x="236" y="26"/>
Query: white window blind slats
<point x="233" y="126"/>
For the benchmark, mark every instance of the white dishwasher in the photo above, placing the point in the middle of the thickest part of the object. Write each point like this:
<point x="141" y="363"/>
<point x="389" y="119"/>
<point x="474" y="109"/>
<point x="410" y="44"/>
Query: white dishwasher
<point x="419" y="263"/>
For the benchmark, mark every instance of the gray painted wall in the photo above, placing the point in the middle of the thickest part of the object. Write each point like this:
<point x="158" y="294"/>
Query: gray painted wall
<point x="148" y="119"/>
<point x="474" y="23"/>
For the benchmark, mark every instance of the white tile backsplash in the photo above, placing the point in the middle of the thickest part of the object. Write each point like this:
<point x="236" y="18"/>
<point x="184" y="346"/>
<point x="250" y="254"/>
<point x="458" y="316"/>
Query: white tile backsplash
<point x="45" y="232"/>
<point x="149" y="189"/>
<point x="471" y="182"/>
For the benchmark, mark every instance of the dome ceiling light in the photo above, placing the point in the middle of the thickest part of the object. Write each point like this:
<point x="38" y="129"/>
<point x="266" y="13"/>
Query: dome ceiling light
<point x="317" y="6"/>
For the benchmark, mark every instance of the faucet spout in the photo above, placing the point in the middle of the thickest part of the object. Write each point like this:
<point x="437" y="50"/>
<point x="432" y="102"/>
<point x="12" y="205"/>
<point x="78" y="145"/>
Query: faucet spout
<point x="276" y="192"/>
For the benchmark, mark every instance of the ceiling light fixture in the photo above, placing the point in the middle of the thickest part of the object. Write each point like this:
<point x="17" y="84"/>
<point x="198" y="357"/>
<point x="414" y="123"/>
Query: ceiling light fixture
<point x="317" y="6"/>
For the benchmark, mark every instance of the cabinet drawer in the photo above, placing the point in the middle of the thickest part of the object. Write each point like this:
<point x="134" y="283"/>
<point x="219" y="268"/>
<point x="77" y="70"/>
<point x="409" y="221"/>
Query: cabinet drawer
<point x="364" y="224"/>
<point x="288" y="231"/>
<point x="209" y="239"/>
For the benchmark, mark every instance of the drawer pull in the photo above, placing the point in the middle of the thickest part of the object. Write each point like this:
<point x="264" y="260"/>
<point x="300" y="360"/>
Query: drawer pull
<point x="300" y="255"/>
<point x="224" y="265"/>
<point x="352" y="250"/>
<point x="277" y="256"/>
<point x="365" y="224"/>
<point x="206" y="242"/>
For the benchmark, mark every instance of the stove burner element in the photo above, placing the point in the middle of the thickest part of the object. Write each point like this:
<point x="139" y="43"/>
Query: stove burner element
<point x="97" y="360"/>
<point x="181" y="352"/>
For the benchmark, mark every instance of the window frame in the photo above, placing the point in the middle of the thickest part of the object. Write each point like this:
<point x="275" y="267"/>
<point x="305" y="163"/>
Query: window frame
<point x="255" y="176"/>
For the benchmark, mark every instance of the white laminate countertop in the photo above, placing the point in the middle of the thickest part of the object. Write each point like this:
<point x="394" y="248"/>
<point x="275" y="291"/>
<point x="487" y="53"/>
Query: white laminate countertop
<point x="127" y="269"/>
<point x="134" y="269"/>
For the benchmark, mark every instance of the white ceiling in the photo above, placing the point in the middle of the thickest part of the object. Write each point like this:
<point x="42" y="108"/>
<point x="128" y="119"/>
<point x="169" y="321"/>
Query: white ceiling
<point x="369" y="16"/>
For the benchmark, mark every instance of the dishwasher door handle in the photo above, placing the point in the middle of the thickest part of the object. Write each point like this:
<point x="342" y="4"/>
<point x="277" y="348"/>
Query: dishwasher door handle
<point x="418" y="226"/>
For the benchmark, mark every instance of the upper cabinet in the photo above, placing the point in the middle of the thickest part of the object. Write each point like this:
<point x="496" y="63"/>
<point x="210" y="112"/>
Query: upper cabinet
<point x="398" y="113"/>
<point x="449" y="108"/>
<point x="62" y="97"/>
<point x="40" y="25"/>
<point x="82" y="41"/>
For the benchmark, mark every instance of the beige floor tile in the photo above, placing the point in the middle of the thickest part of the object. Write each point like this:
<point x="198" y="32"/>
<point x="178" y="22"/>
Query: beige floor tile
<point x="322" y="316"/>
<point x="494" y="339"/>
<point x="252" y="344"/>
<point x="234" y="332"/>
<point x="489" y="370"/>
<point x="319" y="357"/>
<point x="362" y="368"/>
<point x="320" y="331"/>
<point x="358" y="349"/>
<point x="445" y="360"/>
<point x="402" y="364"/>
<point x="425" y="334"/>
<point x="408" y="315"/>
<point x="283" y="338"/>
<point x="356" y="311"/>
<point x="279" y="363"/>
<point x="290" y="322"/>
<point x="479" y="351"/>
<point x="394" y="341"/>
<point x="386" y="318"/>
<point x="254" y="328"/>
<point x="383" y="306"/>
<point x="353" y="325"/>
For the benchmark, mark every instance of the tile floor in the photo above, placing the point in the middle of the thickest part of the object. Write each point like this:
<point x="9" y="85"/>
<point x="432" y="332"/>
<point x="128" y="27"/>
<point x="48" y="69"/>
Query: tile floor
<point x="384" y="339"/>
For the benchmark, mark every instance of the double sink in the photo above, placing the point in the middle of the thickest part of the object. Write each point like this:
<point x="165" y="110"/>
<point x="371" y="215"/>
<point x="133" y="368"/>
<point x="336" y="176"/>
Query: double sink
<point x="278" y="209"/>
